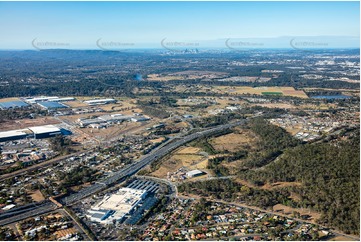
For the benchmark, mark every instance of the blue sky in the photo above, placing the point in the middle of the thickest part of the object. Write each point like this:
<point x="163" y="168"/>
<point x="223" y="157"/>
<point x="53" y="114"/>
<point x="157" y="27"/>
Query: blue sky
<point x="145" y="24"/>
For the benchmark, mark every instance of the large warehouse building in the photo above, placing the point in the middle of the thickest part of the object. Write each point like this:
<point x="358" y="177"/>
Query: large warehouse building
<point x="38" y="132"/>
<point x="13" y="104"/>
<point x="46" y="131"/>
<point x="100" y="101"/>
<point x="50" y="105"/>
<point x="104" y="120"/>
<point x="33" y="100"/>
<point x="14" y="135"/>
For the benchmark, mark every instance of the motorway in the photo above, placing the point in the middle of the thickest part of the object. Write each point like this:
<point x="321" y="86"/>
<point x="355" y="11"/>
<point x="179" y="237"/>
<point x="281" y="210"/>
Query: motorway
<point x="157" y="153"/>
<point x="38" y="210"/>
<point x="131" y="169"/>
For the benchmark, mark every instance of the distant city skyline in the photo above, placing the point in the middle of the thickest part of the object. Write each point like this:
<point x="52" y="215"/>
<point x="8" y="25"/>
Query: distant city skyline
<point x="128" y="25"/>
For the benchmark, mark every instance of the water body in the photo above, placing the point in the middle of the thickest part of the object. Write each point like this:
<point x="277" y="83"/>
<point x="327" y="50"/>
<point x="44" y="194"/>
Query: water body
<point x="331" y="97"/>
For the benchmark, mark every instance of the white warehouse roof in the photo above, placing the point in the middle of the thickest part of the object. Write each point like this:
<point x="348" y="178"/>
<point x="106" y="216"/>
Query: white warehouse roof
<point x="44" y="129"/>
<point x="100" y="100"/>
<point x="12" y="133"/>
<point x="38" y="99"/>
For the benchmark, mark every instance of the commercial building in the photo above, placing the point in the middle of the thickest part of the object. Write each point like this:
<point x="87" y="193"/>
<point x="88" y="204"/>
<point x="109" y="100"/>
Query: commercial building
<point x="37" y="99"/>
<point x="38" y="132"/>
<point x="50" y="105"/>
<point x="62" y="99"/>
<point x="45" y="131"/>
<point x="117" y="206"/>
<point x="51" y="99"/>
<point x="103" y="120"/>
<point x="100" y="101"/>
<point x="13" y="104"/>
<point x="14" y="135"/>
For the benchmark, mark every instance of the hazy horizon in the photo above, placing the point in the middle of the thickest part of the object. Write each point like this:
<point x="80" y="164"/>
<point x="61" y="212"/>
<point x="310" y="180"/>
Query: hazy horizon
<point x="137" y="25"/>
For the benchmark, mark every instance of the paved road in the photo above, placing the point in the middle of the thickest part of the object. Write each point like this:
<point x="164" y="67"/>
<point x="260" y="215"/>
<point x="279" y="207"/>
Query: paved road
<point x="131" y="169"/>
<point x="157" y="153"/>
<point x="335" y="232"/>
<point x="80" y="227"/>
<point x="41" y="209"/>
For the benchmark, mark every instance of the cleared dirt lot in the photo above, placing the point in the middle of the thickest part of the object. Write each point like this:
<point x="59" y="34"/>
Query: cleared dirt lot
<point x="242" y="139"/>
<point x="340" y="238"/>
<point x="187" y="157"/>
<point x="112" y="132"/>
<point x="25" y="123"/>
<point x="8" y="99"/>
<point x="189" y="150"/>
<point x="37" y="196"/>
<point x="314" y="215"/>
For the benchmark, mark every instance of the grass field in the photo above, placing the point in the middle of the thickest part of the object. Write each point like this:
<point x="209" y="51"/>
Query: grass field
<point x="186" y="75"/>
<point x="187" y="157"/>
<point x="272" y="93"/>
<point x="286" y="91"/>
<point x="232" y="142"/>
<point x="189" y="150"/>
<point x="303" y="211"/>
<point x="275" y="105"/>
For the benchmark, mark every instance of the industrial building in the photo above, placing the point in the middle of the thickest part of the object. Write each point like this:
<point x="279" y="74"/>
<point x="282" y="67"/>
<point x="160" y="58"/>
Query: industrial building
<point x="46" y="131"/>
<point x="140" y="119"/>
<point x="14" y="135"/>
<point x="103" y="120"/>
<point x="194" y="173"/>
<point x="50" y="105"/>
<point x="38" y="132"/>
<point x="100" y="101"/>
<point x="51" y="99"/>
<point x="13" y="104"/>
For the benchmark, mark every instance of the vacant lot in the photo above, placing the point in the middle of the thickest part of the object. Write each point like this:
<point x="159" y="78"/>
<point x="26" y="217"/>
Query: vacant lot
<point x="8" y="99"/>
<point x="189" y="150"/>
<point x="157" y="77"/>
<point x="64" y="232"/>
<point x="115" y="131"/>
<point x="241" y="139"/>
<point x="275" y="105"/>
<point x="187" y="157"/>
<point x="303" y="211"/>
<point x="186" y="75"/>
<point x="286" y="91"/>
<point x="25" y="123"/>
<point x="37" y="196"/>
<point x="159" y="140"/>
<point x="76" y="104"/>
